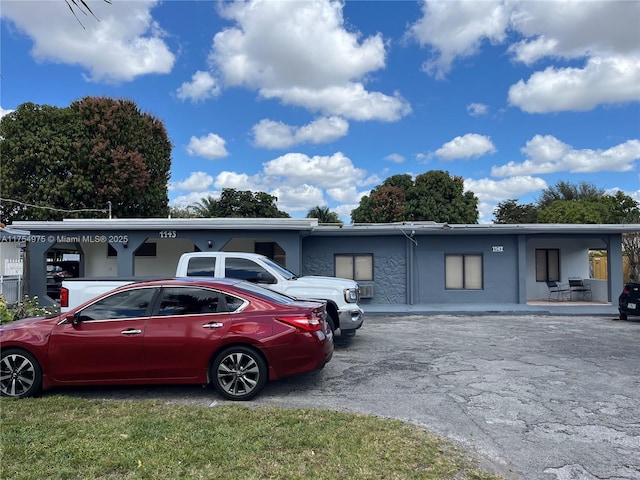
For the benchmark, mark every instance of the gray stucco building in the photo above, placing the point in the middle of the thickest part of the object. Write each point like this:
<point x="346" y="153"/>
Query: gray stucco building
<point x="400" y="266"/>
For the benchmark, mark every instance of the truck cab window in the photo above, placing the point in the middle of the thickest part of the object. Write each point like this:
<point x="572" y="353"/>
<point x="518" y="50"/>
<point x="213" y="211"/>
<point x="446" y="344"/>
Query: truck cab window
<point x="248" y="270"/>
<point x="201" y="267"/>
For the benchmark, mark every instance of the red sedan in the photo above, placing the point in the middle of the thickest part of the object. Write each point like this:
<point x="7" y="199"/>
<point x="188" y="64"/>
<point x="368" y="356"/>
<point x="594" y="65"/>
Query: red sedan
<point x="231" y="333"/>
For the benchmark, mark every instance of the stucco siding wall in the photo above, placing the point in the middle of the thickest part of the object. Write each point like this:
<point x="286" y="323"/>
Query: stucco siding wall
<point x="389" y="263"/>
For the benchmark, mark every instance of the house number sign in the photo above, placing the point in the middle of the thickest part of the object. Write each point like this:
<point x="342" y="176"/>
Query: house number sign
<point x="497" y="249"/>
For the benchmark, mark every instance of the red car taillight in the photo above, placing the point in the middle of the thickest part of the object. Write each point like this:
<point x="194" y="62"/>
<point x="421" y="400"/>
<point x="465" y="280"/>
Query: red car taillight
<point x="306" y="323"/>
<point x="64" y="297"/>
<point x="625" y="290"/>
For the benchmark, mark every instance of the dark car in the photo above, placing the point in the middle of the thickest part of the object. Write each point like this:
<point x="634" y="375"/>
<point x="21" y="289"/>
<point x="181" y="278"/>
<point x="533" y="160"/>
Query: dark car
<point x="629" y="300"/>
<point x="230" y="333"/>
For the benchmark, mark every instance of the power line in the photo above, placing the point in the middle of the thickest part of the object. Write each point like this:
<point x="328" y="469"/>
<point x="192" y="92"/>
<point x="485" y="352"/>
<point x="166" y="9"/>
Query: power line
<point x="103" y="210"/>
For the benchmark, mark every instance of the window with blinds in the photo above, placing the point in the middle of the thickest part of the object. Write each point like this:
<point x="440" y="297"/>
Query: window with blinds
<point x="463" y="272"/>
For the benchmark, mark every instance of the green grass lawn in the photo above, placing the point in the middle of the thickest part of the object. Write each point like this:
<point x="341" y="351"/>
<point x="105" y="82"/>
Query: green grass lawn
<point x="58" y="437"/>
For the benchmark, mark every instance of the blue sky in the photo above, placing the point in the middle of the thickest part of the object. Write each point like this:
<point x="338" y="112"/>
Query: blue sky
<point x="317" y="102"/>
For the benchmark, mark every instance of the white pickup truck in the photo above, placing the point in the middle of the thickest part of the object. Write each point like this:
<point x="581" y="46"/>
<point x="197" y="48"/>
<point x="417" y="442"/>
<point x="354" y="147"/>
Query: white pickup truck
<point x="342" y="295"/>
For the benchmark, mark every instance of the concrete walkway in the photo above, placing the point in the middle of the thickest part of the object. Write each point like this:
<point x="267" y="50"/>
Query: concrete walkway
<point x="532" y="307"/>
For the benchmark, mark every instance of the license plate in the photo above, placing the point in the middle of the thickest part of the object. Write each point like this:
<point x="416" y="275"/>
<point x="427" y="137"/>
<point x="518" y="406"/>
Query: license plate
<point x="631" y="306"/>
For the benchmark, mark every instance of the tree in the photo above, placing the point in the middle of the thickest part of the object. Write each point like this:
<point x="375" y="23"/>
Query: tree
<point x="631" y="246"/>
<point x="183" y="212"/>
<point x="568" y="191"/>
<point x="510" y="212"/>
<point x="570" y="203"/>
<point x="74" y="161"/>
<point x="385" y="204"/>
<point x="432" y="196"/>
<point x="440" y="197"/>
<point x="240" y="204"/>
<point x="571" y="211"/>
<point x="206" y="208"/>
<point x="324" y="215"/>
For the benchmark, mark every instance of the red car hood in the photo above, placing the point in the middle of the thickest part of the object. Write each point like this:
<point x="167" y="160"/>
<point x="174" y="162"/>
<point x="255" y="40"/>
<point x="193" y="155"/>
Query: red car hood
<point x="34" y="322"/>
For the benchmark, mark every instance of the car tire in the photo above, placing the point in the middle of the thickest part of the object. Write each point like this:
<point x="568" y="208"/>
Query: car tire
<point x="20" y="374"/>
<point x="623" y="316"/>
<point x="239" y="372"/>
<point x="331" y="324"/>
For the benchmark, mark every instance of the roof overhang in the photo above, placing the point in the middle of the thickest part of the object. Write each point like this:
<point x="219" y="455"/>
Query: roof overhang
<point x="305" y="224"/>
<point x="311" y="226"/>
<point x="432" y="228"/>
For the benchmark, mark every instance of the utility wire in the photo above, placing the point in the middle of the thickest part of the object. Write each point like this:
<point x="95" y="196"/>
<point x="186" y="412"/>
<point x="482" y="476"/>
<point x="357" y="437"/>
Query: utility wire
<point x="103" y="210"/>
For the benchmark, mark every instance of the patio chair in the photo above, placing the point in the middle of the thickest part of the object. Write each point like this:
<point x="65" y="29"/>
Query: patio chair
<point x="560" y="290"/>
<point x="580" y="288"/>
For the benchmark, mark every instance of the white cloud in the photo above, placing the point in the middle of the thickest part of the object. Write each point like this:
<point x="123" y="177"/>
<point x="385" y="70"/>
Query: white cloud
<point x="4" y="112"/>
<point x="335" y="171"/>
<point x="202" y="86"/>
<point x="477" y="109"/>
<point x="303" y="54"/>
<point x="298" y="199"/>
<point x="596" y="28"/>
<point x="183" y="201"/>
<point x="271" y="134"/>
<point x="470" y="145"/>
<point x="348" y="194"/>
<point x="491" y="192"/>
<point x="239" y="181"/>
<point x="211" y="147"/>
<point x="197" y="181"/>
<point x="547" y="154"/>
<point x="423" y="157"/>
<point x="528" y="52"/>
<point x="125" y="43"/>
<point x="456" y="29"/>
<point x="497" y="190"/>
<point x="350" y="101"/>
<point x="602" y="81"/>
<point x="298" y="181"/>
<point x="395" y="158"/>
<point x="602" y="34"/>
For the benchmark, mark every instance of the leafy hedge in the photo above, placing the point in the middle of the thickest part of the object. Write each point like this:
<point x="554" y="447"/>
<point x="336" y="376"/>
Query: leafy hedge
<point x="28" y="307"/>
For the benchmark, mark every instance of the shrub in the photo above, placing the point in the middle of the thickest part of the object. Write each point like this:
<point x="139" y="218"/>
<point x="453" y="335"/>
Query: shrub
<point x="29" y="307"/>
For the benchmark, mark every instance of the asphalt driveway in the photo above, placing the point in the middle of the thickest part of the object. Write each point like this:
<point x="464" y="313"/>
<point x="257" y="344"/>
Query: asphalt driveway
<point x="535" y="397"/>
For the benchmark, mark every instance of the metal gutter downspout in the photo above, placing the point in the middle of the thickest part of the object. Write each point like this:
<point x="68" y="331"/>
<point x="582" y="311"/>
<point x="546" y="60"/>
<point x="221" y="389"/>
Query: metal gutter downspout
<point x="411" y="267"/>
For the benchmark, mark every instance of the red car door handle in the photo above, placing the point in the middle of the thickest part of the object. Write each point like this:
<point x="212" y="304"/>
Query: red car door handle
<point x="212" y="325"/>
<point x="131" y="331"/>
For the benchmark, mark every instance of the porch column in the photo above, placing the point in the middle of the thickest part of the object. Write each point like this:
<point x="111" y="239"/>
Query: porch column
<point x="614" y="267"/>
<point x="522" y="269"/>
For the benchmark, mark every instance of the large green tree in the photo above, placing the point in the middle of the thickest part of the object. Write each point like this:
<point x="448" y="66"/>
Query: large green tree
<point x="570" y="203"/>
<point x="432" y="196"/>
<point x="75" y="161"/>
<point x="239" y="204"/>
<point x="568" y="191"/>
<point x="579" y="203"/>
